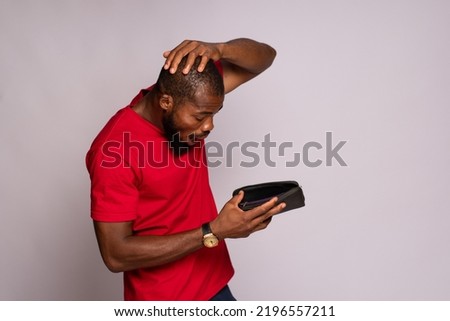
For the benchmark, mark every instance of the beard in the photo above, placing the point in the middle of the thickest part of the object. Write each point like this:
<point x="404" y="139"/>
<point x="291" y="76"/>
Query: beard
<point x="172" y="133"/>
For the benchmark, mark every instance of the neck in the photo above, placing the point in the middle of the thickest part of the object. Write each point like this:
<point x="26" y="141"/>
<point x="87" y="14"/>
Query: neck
<point x="148" y="108"/>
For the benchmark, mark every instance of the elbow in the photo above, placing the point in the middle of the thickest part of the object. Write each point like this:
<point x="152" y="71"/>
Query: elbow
<point x="114" y="264"/>
<point x="270" y="52"/>
<point x="273" y="53"/>
<point x="114" y="268"/>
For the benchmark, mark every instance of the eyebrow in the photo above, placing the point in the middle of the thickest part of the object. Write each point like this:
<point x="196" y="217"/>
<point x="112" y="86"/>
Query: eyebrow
<point x="208" y="112"/>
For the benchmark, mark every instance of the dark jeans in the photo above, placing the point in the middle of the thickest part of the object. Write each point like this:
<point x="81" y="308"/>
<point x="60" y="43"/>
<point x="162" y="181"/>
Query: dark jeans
<point x="223" y="295"/>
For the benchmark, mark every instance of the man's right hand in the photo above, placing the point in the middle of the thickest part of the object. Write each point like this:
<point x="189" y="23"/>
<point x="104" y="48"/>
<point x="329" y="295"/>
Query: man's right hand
<point x="233" y="222"/>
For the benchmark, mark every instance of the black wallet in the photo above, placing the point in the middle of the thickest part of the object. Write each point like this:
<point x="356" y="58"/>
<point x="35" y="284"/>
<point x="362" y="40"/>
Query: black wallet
<point x="288" y="192"/>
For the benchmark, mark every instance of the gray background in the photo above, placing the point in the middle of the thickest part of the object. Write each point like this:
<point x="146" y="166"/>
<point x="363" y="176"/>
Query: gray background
<point x="374" y="73"/>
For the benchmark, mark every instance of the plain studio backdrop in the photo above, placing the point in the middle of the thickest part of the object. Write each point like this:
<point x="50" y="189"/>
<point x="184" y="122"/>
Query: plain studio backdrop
<point x="375" y="75"/>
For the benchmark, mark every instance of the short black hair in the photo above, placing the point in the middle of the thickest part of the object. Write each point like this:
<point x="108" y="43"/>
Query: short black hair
<point x="183" y="87"/>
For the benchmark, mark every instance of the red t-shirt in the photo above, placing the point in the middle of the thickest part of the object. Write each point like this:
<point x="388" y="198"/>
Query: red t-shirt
<point x="135" y="177"/>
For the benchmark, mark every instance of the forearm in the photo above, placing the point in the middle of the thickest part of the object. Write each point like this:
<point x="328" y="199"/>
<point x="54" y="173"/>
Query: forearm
<point x="123" y="251"/>
<point x="129" y="252"/>
<point x="253" y="56"/>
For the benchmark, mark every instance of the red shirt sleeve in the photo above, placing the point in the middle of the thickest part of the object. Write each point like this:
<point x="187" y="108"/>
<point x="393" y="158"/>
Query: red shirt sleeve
<point x="219" y="66"/>
<point x="114" y="192"/>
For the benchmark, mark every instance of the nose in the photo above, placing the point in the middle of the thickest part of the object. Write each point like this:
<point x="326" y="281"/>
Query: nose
<point x="208" y="125"/>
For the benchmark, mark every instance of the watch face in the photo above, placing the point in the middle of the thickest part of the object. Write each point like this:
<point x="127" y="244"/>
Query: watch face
<point x="210" y="241"/>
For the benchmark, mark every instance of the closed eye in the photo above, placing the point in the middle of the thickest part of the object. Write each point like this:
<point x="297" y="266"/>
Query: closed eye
<point x="202" y="116"/>
<point x="199" y="118"/>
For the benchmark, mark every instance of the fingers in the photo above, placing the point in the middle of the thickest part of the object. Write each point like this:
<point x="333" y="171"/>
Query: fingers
<point x="263" y="214"/>
<point x="189" y="62"/>
<point x="170" y="57"/>
<point x="263" y="225"/>
<point x="203" y="63"/>
<point x="192" y="49"/>
<point x="270" y="208"/>
<point x="236" y="223"/>
<point x="237" y="198"/>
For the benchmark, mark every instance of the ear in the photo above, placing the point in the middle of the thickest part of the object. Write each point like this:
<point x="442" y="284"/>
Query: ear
<point x="166" y="102"/>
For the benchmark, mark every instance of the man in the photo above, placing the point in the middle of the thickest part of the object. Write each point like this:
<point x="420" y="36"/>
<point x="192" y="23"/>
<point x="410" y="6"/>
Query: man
<point x="154" y="214"/>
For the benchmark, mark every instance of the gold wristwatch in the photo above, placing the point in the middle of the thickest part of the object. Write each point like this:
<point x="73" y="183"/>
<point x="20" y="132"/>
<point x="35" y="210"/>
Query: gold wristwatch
<point x="209" y="239"/>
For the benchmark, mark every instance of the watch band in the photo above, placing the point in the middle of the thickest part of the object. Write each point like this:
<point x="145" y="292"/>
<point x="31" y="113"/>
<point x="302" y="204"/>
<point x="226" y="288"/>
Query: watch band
<point x="206" y="229"/>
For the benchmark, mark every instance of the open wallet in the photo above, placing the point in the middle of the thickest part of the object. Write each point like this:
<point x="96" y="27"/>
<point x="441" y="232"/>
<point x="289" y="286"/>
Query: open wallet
<point x="288" y="192"/>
